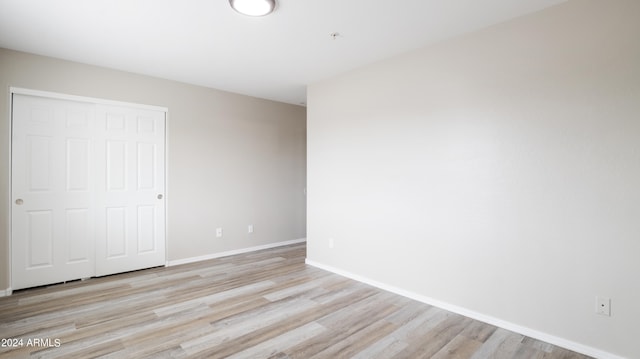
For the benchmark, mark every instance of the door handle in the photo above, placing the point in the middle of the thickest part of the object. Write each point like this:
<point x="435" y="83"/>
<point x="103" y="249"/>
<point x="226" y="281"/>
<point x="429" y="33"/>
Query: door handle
<point x="160" y="196"/>
<point x="19" y="201"/>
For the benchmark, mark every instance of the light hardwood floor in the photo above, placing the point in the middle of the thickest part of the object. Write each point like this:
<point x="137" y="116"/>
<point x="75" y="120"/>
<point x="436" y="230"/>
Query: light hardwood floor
<point x="265" y="304"/>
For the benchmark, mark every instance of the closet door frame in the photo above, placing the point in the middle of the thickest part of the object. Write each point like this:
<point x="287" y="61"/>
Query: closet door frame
<point x="89" y="100"/>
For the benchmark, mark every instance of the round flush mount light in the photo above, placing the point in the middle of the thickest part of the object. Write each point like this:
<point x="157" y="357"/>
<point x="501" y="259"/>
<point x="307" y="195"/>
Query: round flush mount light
<point x="253" y="7"/>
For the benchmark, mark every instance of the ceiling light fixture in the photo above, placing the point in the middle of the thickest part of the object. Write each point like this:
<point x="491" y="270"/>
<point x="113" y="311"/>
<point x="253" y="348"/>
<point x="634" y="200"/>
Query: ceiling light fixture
<point x="253" y="7"/>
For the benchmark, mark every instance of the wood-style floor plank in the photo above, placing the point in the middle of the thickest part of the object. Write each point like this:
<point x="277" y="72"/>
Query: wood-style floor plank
<point x="265" y="304"/>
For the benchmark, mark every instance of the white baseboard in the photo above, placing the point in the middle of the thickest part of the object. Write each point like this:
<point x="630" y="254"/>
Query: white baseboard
<point x="561" y="342"/>
<point x="233" y="252"/>
<point x="6" y="292"/>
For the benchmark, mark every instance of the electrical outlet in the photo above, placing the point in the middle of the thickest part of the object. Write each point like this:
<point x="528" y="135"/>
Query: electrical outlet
<point x="250" y="228"/>
<point x="218" y="232"/>
<point x="603" y="306"/>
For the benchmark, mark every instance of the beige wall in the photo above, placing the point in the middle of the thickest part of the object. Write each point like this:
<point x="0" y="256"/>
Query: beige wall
<point x="497" y="173"/>
<point x="232" y="160"/>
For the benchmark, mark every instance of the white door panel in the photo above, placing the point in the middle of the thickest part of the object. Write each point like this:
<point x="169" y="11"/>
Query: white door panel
<point x="78" y="152"/>
<point x="130" y="234"/>
<point x="115" y="232"/>
<point x="77" y="225"/>
<point x="51" y="191"/>
<point x="85" y="185"/>
<point x="39" y="239"/>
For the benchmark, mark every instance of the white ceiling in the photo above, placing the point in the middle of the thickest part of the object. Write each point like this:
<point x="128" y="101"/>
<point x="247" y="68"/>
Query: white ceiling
<point x="205" y="42"/>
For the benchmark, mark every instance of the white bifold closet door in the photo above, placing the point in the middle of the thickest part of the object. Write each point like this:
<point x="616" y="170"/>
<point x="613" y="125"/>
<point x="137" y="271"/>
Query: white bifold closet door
<point x="87" y="190"/>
